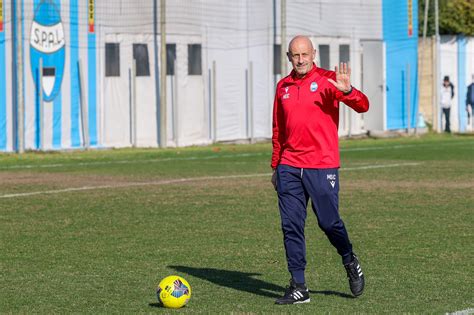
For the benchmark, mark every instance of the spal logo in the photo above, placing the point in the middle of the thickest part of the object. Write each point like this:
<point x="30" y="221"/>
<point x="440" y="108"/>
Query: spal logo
<point x="47" y="43"/>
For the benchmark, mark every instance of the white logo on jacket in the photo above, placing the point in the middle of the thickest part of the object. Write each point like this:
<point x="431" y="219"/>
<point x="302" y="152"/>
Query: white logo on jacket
<point x="286" y="95"/>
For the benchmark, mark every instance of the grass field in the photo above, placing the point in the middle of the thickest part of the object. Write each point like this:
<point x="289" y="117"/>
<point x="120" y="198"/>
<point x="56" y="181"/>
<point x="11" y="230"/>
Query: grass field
<point x="94" y="232"/>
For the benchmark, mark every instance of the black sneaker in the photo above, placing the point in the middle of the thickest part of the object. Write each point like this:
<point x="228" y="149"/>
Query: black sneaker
<point x="296" y="293"/>
<point x="355" y="276"/>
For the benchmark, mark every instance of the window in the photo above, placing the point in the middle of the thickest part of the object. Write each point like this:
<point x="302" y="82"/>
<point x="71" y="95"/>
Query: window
<point x="112" y="59"/>
<point x="344" y="53"/>
<point x="194" y="59"/>
<point x="140" y="55"/>
<point x="324" y="56"/>
<point x="276" y="59"/>
<point x="170" y="58"/>
<point x="49" y="72"/>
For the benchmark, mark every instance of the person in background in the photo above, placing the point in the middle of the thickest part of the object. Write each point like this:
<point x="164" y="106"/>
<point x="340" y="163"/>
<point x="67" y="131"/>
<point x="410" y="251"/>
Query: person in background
<point x="447" y="95"/>
<point x="470" y="101"/>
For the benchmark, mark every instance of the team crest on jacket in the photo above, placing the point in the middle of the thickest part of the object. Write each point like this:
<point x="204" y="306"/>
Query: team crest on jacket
<point x="313" y="87"/>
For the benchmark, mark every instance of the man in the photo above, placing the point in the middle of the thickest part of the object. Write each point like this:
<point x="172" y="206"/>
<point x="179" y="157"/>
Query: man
<point x="447" y="94"/>
<point x="470" y="101"/>
<point x="305" y="160"/>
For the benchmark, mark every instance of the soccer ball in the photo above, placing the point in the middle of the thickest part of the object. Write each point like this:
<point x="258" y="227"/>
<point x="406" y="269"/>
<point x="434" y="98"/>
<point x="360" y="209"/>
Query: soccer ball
<point x="173" y="292"/>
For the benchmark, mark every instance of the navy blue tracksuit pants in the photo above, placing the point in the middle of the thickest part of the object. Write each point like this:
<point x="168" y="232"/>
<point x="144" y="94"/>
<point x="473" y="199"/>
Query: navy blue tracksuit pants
<point x="295" y="186"/>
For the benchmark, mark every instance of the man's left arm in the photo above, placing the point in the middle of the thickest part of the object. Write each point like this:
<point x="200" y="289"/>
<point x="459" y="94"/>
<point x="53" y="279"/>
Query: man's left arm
<point x="355" y="99"/>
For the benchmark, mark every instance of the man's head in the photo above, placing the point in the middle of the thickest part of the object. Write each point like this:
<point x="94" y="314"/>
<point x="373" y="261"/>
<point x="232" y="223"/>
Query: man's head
<point x="301" y="54"/>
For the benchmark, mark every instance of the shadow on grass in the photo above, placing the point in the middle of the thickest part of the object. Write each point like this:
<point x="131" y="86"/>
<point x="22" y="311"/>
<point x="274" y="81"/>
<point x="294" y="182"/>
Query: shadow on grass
<point x="237" y="280"/>
<point x="244" y="281"/>
<point x="335" y="293"/>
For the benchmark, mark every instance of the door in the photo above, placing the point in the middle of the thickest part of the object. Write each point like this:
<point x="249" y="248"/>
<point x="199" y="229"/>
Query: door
<point x="187" y="111"/>
<point x="129" y="116"/>
<point x="373" y="84"/>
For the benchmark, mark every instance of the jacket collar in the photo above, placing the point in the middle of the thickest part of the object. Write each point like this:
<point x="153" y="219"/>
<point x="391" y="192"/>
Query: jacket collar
<point x="292" y="78"/>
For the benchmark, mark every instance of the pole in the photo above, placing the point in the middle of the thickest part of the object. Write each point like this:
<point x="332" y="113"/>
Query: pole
<point x="425" y="19"/>
<point x="283" y="38"/>
<point x="274" y="43"/>
<point x="209" y="83"/>
<point x="247" y="106"/>
<point x="176" y="107"/>
<point x="41" y="107"/>
<point x="214" y="102"/>
<point x="349" y="122"/>
<point x="438" y="68"/>
<point x="408" y="99"/>
<point x="134" y="103"/>
<point x="251" y="102"/>
<point x="163" y="104"/>
<point x="173" y="111"/>
<point x="425" y="26"/>
<point x="84" y="115"/>
<point x="19" y="83"/>
<point x="157" y="76"/>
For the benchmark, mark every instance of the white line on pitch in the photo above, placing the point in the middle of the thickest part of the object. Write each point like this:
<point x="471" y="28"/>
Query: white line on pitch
<point x="379" y="166"/>
<point x="180" y="180"/>
<point x="191" y="158"/>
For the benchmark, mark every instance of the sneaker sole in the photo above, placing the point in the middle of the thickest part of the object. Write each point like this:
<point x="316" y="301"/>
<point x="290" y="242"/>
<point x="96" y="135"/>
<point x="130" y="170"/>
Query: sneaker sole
<point x="297" y="302"/>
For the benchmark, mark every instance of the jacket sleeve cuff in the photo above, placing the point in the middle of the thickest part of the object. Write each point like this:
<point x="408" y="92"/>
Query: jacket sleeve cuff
<point x="350" y="91"/>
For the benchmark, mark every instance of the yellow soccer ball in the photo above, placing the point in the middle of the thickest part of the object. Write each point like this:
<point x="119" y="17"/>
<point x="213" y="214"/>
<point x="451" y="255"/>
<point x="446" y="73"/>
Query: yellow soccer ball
<point x="173" y="292"/>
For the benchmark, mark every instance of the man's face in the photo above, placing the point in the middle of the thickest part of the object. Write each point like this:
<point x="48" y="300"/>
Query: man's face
<point x="301" y="55"/>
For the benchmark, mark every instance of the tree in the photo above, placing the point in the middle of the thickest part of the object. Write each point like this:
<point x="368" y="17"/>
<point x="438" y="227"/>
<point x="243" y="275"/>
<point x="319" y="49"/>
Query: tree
<point x="455" y="17"/>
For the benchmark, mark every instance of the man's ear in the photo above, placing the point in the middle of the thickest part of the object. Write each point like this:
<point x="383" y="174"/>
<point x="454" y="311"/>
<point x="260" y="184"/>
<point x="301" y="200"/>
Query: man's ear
<point x="314" y="54"/>
<point x="288" y="55"/>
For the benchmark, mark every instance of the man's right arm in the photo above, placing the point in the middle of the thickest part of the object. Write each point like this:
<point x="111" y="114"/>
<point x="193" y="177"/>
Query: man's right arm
<point x="276" y="133"/>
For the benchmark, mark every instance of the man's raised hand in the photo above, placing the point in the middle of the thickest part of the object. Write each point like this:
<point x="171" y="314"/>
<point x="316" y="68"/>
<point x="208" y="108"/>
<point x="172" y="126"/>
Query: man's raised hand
<point x="343" y="78"/>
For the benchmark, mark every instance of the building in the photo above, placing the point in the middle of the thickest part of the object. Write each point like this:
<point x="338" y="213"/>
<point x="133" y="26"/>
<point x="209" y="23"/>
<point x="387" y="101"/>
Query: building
<point x="100" y="86"/>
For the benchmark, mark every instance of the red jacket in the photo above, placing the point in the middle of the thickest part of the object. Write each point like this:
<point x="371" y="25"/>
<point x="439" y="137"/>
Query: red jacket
<point x="306" y="119"/>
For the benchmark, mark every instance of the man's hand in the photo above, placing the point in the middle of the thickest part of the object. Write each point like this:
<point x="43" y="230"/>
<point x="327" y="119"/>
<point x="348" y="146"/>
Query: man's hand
<point x="274" y="179"/>
<point x="343" y="78"/>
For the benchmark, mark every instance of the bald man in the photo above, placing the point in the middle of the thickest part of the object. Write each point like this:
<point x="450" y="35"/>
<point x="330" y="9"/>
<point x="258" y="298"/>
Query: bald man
<point x="305" y="161"/>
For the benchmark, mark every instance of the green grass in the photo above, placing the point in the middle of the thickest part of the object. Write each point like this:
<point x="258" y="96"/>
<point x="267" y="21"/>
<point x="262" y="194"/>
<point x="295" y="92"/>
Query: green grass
<point x="105" y="250"/>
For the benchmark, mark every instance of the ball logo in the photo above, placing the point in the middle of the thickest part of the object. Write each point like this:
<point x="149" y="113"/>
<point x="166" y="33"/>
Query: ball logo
<point x="48" y="44"/>
<point x="180" y="289"/>
<point x="313" y="87"/>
